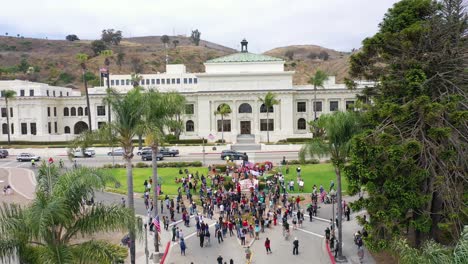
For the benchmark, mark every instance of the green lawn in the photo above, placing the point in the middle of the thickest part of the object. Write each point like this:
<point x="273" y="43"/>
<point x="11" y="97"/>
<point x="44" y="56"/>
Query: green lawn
<point x="312" y="174"/>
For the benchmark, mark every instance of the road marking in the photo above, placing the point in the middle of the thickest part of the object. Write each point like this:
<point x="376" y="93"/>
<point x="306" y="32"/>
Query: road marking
<point x="13" y="187"/>
<point x="308" y="232"/>
<point x="191" y="235"/>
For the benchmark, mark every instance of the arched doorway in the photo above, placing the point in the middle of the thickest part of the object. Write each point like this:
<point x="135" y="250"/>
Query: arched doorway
<point x="80" y="127"/>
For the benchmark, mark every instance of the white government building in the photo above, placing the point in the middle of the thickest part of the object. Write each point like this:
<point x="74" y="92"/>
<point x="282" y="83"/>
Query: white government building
<point x="40" y="112"/>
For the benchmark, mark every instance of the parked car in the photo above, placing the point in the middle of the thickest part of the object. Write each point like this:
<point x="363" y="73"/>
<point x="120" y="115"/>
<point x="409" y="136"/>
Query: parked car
<point x="27" y="157"/>
<point x="88" y="153"/>
<point x="142" y="150"/>
<point x="148" y="155"/>
<point x="234" y="155"/>
<point x="3" y="153"/>
<point x="116" y="152"/>
<point x="166" y="152"/>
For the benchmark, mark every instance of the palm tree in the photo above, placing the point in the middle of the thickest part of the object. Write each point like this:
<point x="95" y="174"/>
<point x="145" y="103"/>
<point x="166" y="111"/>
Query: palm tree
<point x="46" y="231"/>
<point x="8" y="94"/>
<point x="161" y="107"/>
<point x="317" y="80"/>
<point x="223" y="110"/>
<point x="107" y="54"/>
<point x="339" y="128"/>
<point x="135" y="79"/>
<point x="128" y="118"/>
<point x="82" y="59"/>
<point x="269" y="101"/>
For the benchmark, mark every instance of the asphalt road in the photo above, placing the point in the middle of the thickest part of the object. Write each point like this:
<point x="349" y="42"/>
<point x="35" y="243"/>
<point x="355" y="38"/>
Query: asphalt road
<point x="211" y="158"/>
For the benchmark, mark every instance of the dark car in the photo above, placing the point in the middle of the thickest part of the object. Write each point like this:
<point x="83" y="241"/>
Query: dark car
<point x="148" y="155"/>
<point x="27" y="157"/>
<point x="234" y="155"/>
<point x="3" y="153"/>
<point x="166" y="152"/>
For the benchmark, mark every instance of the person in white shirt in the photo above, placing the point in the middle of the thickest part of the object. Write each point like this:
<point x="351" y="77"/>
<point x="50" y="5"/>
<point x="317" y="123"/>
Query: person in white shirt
<point x="291" y="185"/>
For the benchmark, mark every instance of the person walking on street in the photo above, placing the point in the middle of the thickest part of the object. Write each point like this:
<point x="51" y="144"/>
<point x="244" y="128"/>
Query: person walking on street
<point x="220" y="259"/>
<point x="347" y="213"/>
<point x="173" y="233"/>
<point x="219" y="234"/>
<point x="296" y="246"/>
<point x="202" y="239"/>
<point x="182" y="247"/>
<point x="267" y="245"/>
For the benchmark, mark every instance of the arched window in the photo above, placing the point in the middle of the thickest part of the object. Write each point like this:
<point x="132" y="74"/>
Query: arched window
<point x="80" y="127"/>
<point x="86" y="111"/>
<point x="73" y="111"/>
<point x="66" y="112"/>
<point x="263" y="109"/>
<point x="4" y="128"/>
<point x="67" y="130"/>
<point x="219" y="107"/>
<point x="245" y="108"/>
<point x="189" y="126"/>
<point x="301" y="124"/>
<point x="80" y="111"/>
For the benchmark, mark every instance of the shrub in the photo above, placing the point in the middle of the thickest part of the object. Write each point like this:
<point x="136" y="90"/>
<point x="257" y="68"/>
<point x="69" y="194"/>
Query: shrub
<point x="187" y="141"/>
<point x="311" y="161"/>
<point x="294" y="140"/>
<point x="178" y="164"/>
<point x="141" y="165"/>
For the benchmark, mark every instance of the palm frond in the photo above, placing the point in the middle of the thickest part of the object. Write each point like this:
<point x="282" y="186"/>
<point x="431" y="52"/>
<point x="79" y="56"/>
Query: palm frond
<point x="98" y="251"/>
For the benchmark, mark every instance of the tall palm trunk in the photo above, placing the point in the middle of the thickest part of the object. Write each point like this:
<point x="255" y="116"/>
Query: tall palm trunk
<point x="109" y="118"/>
<point x="87" y="99"/>
<point x="8" y="120"/>
<point x="340" y="212"/>
<point x="268" y="128"/>
<point x="154" y="165"/>
<point x="131" y="203"/>
<point x="222" y="128"/>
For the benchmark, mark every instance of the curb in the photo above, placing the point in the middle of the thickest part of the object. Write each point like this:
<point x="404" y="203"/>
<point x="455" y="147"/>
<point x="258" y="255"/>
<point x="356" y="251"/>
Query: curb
<point x="332" y="259"/>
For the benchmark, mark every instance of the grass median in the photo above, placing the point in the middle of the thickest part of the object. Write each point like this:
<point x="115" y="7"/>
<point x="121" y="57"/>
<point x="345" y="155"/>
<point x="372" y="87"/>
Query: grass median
<point x="318" y="174"/>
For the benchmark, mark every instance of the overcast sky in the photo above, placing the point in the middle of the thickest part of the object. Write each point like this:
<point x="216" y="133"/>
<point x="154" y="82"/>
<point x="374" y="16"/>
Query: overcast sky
<point x="336" y="24"/>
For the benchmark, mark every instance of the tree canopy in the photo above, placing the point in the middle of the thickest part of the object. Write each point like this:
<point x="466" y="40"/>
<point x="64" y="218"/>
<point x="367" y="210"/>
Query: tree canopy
<point x="412" y="157"/>
<point x="195" y="37"/>
<point x="111" y="36"/>
<point x="72" y="37"/>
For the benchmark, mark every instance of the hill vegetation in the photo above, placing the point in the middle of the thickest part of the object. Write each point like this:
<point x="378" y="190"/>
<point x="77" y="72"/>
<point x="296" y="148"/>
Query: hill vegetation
<point x="53" y="61"/>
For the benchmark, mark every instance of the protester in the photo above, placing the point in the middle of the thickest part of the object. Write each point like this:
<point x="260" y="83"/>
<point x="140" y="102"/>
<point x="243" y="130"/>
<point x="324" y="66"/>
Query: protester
<point x="296" y="246"/>
<point x="267" y="245"/>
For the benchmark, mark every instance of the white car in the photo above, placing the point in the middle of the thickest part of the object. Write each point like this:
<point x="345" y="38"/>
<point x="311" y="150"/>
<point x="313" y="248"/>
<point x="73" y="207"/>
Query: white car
<point x="143" y="150"/>
<point x="116" y="152"/>
<point x="88" y="153"/>
<point x="27" y="157"/>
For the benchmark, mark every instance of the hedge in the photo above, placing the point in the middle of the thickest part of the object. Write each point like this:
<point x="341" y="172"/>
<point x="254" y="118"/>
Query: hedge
<point x="178" y="164"/>
<point x="187" y="141"/>
<point x="311" y="161"/>
<point x="294" y="140"/>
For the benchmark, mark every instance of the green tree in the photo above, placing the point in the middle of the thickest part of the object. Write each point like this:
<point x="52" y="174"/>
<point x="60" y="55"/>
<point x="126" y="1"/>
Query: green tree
<point x="159" y="110"/>
<point x="82" y="59"/>
<point x="317" y="80"/>
<point x="128" y="119"/>
<point x="195" y="37"/>
<point x="120" y="59"/>
<point x="8" y="95"/>
<point x="135" y="79"/>
<point x="72" y="37"/>
<point x="410" y="160"/>
<point x="175" y="42"/>
<point x="269" y="101"/>
<point x="111" y="36"/>
<point x="97" y="46"/>
<point x="23" y="66"/>
<point x="45" y="231"/>
<point x="165" y="39"/>
<point x="223" y="110"/>
<point x="339" y="129"/>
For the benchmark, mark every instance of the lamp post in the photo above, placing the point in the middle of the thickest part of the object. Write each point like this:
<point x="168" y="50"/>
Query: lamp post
<point x="203" y="142"/>
<point x="333" y="195"/>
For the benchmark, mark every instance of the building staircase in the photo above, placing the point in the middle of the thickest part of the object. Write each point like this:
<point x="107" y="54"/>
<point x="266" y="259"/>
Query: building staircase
<point x="246" y="142"/>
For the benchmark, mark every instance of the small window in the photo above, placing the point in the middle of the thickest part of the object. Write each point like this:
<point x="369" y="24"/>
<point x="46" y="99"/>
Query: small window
<point x="147" y="81"/>
<point x="173" y="81"/>
<point x="86" y="111"/>
<point x="12" y="129"/>
<point x="168" y="81"/>
<point x="67" y="93"/>
<point x="333" y="106"/>
<point x="117" y="82"/>
<point x="127" y="82"/>
<point x="153" y="81"/>
<point x="33" y="129"/>
<point x="53" y="93"/>
<point x="350" y="105"/>
<point x="67" y="130"/>
<point x="163" y="81"/>
<point x="263" y="109"/>
<point x="101" y="110"/>
<point x="301" y="107"/>
<point x="264" y="125"/>
<point x="4" y="128"/>
<point x="47" y="92"/>
<point x="301" y="124"/>
<point x="66" y="112"/>
<point x="195" y="80"/>
<point x="158" y="81"/>
<point x="189" y="126"/>
<point x="226" y="126"/>
<point x="48" y="111"/>
<point x="112" y="82"/>
<point x="185" y="80"/>
<point x="49" y="127"/>
<point x="4" y="112"/>
<point x="189" y="109"/>
<point x="80" y="111"/>
<point x="122" y="82"/>
<point x="101" y="124"/>
<point x="31" y="92"/>
<point x="73" y="111"/>
<point x="178" y="80"/>
<point x="21" y="92"/>
<point x="11" y="111"/>
<point x="61" y="94"/>
<point x="55" y="111"/>
<point x="190" y="80"/>
<point x="245" y="108"/>
<point x="55" y="127"/>
<point x="318" y="106"/>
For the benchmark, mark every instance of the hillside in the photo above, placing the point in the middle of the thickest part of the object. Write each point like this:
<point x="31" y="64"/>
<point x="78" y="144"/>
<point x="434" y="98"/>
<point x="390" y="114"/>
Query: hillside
<point x="306" y="59"/>
<point x="53" y="61"/>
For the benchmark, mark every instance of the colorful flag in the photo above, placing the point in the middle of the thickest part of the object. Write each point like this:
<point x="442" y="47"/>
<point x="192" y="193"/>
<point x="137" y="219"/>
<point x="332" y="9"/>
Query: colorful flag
<point x="103" y="70"/>
<point x="156" y="223"/>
